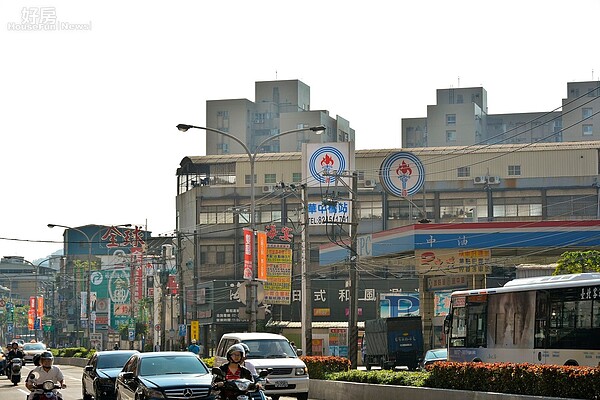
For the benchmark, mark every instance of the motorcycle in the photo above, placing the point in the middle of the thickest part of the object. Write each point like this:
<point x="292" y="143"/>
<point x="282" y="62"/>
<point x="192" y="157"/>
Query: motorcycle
<point x="46" y="391"/>
<point x="238" y="389"/>
<point x="13" y="370"/>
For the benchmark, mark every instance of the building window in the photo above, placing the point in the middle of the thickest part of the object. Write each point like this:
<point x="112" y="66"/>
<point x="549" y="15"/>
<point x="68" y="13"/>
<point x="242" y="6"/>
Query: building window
<point x="221" y="255"/>
<point x="450" y="119"/>
<point x="370" y="210"/>
<point x="574" y="205"/>
<point x="270" y="178"/>
<point x="296" y="177"/>
<point x="247" y="179"/>
<point x="464" y="172"/>
<point x="267" y="217"/>
<point x="459" y="99"/>
<point x="514" y="170"/>
<point x="587" y="129"/>
<point x="450" y="136"/>
<point x="224" y="147"/>
<point x="586" y="113"/>
<point x="215" y="215"/>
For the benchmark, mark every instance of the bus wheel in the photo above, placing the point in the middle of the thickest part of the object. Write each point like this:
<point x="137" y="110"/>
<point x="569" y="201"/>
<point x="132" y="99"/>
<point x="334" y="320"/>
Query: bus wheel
<point x="571" y="363"/>
<point x="477" y="360"/>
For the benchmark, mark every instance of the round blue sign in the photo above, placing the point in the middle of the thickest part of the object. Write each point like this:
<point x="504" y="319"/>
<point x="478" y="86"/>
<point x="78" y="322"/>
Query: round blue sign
<point x="402" y="174"/>
<point x="326" y="160"/>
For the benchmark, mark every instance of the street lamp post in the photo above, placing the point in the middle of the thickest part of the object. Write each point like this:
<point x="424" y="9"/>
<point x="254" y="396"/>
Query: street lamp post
<point x="252" y="159"/>
<point x="89" y="273"/>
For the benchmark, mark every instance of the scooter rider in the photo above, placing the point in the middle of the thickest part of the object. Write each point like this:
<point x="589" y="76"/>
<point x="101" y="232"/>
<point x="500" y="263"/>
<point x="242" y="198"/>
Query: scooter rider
<point x="14" y="352"/>
<point x="45" y="372"/>
<point x="234" y="370"/>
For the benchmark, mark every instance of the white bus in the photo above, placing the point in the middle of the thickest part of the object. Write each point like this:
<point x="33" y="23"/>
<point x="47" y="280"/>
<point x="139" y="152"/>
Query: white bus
<point x="541" y="320"/>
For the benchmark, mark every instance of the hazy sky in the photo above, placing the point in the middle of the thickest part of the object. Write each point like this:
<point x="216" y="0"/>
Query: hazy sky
<point x="87" y="117"/>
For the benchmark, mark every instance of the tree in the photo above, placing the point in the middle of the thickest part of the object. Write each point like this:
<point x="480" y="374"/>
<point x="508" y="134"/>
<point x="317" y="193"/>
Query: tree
<point x="577" y="262"/>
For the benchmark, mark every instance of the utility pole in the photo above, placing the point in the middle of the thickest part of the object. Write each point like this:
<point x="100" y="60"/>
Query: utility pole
<point x="164" y="278"/>
<point x="181" y="294"/>
<point x="352" y="273"/>
<point x="353" y="312"/>
<point x="306" y="298"/>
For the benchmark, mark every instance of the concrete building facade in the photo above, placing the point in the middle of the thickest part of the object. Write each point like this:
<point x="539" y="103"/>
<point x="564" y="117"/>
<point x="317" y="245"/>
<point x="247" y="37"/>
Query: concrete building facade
<point x="466" y="185"/>
<point x="460" y="118"/>
<point x="279" y="106"/>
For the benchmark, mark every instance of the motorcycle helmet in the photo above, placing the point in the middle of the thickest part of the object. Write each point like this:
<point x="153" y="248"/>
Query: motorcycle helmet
<point x="36" y="360"/>
<point x="46" y="355"/>
<point x="234" y="348"/>
<point x="246" y="349"/>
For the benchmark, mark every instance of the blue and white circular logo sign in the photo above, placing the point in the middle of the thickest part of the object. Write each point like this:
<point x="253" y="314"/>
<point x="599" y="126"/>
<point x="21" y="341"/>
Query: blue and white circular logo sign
<point x="324" y="161"/>
<point x="402" y="174"/>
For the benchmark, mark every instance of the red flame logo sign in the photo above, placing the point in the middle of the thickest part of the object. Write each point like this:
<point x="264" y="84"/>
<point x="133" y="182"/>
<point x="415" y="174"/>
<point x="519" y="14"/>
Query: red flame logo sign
<point x="404" y="168"/>
<point x="328" y="161"/>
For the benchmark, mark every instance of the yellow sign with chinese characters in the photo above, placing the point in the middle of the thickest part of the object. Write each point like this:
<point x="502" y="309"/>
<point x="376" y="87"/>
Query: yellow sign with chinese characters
<point x="457" y="262"/>
<point x="195" y="330"/>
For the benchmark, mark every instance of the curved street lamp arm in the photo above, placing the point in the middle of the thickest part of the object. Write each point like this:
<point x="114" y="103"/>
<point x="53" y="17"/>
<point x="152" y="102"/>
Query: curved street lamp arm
<point x="185" y="127"/>
<point x="75" y="229"/>
<point x="318" y="128"/>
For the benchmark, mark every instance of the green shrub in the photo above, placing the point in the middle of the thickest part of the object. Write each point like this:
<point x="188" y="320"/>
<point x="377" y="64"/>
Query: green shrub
<point x="523" y="379"/>
<point x="382" y="377"/>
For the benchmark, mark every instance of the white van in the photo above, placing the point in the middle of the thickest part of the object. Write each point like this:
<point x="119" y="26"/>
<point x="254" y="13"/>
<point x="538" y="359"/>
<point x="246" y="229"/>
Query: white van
<point x="267" y="350"/>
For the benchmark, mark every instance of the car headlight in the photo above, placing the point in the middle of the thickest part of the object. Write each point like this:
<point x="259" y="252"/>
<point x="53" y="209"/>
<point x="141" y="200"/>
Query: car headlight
<point x="301" y="371"/>
<point x="154" y="394"/>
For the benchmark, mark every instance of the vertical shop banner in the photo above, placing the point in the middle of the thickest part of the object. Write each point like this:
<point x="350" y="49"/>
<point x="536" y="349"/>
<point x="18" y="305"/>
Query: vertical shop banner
<point x="83" y="306"/>
<point x="278" y="286"/>
<point x="248" y="249"/>
<point x="261" y="238"/>
<point x="40" y="307"/>
<point x="136" y="273"/>
<point x="195" y="330"/>
<point x="31" y="313"/>
<point x="30" y="319"/>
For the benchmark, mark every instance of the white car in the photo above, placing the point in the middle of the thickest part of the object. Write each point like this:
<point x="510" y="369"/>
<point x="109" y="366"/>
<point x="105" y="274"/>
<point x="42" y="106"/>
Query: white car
<point x="32" y="349"/>
<point x="268" y="350"/>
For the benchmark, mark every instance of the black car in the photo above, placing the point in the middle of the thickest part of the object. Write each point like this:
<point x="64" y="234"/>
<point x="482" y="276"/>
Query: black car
<point x="164" y="375"/>
<point x="100" y="373"/>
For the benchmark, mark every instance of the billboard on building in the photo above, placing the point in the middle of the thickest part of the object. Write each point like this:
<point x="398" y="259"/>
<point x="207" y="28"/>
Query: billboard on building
<point x="402" y="174"/>
<point x="453" y="261"/>
<point x="321" y="162"/>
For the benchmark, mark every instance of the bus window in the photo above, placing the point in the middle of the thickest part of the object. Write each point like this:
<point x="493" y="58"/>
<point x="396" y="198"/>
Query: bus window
<point x="458" y="331"/>
<point x="476" y="325"/>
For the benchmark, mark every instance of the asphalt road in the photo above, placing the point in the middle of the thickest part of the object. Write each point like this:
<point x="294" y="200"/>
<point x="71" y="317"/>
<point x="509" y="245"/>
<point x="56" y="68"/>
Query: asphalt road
<point x="72" y="379"/>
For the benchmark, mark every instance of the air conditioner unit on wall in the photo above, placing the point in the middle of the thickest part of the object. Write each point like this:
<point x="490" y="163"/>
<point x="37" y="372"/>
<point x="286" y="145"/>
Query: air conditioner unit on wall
<point x="479" y="180"/>
<point x="370" y="183"/>
<point x="268" y="188"/>
<point x="493" y="180"/>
